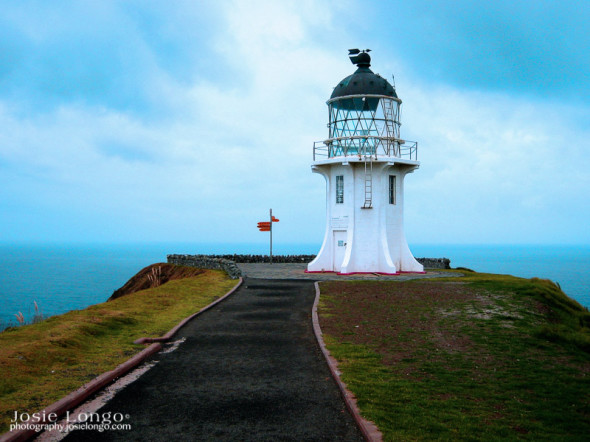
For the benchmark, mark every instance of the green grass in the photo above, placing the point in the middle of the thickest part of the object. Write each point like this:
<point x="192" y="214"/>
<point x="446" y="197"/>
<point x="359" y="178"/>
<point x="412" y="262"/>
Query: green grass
<point x="41" y="363"/>
<point x="491" y="357"/>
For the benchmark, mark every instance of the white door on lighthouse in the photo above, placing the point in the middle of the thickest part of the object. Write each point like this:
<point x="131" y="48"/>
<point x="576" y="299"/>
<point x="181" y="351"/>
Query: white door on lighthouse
<point x="339" y="244"/>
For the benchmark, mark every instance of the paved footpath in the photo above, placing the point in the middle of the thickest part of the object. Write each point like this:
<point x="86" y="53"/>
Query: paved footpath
<point x="250" y="369"/>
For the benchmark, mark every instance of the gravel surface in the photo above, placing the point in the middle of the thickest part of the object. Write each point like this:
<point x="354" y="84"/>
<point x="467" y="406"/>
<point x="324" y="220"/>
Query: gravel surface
<point x="250" y="369"/>
<point x="297" y="271"/>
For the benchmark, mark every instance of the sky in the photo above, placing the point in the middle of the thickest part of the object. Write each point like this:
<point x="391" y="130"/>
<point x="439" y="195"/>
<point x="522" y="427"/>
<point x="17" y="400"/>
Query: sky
<point x="185" y="121"/>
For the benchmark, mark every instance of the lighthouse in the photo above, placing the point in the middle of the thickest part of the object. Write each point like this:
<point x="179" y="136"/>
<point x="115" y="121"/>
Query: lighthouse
<point x="364" y="162"/>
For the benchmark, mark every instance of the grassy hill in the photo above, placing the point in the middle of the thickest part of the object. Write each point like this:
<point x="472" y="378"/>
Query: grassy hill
<point x="41" y="363"/>
<point x="484" y="357"/>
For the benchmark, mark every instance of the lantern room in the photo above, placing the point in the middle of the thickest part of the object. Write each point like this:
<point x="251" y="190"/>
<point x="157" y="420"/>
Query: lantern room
<point x="363" y="114"/>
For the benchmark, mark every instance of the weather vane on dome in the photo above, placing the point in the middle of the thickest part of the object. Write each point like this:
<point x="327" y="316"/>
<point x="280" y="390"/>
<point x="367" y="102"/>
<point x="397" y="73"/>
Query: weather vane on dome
<point x="359" y="57"/>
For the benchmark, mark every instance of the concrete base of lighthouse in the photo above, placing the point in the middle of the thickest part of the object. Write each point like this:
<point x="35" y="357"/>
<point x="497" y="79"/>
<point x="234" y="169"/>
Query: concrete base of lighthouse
<point x="359" y="239"/>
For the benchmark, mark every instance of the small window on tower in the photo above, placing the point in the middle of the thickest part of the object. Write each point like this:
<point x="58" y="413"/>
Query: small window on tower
<point x="339" y="189"/>
<point x="391" y="189"/>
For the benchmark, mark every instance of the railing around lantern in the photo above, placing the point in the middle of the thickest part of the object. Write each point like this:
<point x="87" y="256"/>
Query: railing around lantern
<point x="365" y="147"/>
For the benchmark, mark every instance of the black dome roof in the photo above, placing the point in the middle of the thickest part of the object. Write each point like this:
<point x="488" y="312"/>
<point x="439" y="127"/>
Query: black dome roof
<point x="363" y="81"/>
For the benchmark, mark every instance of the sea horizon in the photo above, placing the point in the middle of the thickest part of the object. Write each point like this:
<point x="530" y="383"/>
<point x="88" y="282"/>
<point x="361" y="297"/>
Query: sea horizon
<point x="61" y="277"/>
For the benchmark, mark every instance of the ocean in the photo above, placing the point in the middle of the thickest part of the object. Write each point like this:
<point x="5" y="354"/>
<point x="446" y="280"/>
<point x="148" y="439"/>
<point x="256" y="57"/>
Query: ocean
<point x="61" y="278"/>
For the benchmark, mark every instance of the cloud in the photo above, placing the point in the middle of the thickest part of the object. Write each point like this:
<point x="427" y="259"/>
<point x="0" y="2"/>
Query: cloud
<point x="229" y="147"/>
<point x="109" y="53"/>
<point x="186" y="122"/>
<point x="497" y="168"/>
<point x="530" y="48"/>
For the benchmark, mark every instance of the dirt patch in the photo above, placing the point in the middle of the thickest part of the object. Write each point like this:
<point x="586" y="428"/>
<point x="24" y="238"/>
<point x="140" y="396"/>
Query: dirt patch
<point x="153" y="276"/>
<point x="407" y="320"/>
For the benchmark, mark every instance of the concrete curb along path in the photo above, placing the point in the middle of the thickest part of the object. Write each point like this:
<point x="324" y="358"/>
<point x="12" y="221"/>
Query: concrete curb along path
<point x="368" y="428"/>
<point x="75" y="398"/>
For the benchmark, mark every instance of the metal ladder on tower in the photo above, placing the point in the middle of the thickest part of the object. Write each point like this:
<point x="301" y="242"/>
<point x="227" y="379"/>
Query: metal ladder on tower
<point x="368" y="183"/>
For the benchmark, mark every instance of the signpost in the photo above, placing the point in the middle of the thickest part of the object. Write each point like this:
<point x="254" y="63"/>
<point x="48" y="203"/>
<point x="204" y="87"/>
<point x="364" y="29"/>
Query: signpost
<point x="266" y="226"/>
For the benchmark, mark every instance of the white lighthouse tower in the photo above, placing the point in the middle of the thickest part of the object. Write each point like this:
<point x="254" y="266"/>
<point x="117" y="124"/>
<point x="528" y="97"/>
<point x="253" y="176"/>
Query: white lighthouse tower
<point x="364" y="162"/>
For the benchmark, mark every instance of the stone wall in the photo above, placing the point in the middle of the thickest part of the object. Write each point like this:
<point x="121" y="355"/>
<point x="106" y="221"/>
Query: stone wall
<point x="435" y="263"/>
<point x="207" y="262"/>
<point x="228" y="262"/>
